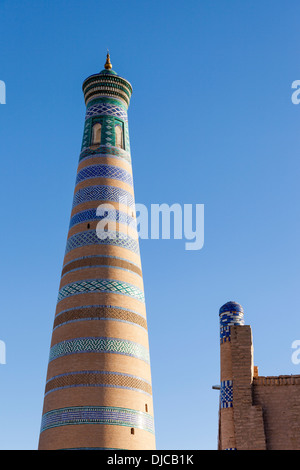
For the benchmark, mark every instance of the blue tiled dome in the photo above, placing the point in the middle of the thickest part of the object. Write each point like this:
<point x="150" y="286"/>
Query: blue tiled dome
<point x="230" y="314"/>
<point x="231" y="307"/>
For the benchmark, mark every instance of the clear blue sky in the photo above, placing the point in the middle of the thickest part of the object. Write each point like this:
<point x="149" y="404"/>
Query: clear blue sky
<point x="211" y="122"/>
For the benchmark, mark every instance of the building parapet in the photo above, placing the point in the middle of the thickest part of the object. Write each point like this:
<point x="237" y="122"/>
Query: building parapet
<point x="277" y="380"/>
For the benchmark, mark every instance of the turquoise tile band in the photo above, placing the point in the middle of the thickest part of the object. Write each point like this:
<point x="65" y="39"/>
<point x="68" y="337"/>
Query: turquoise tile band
<point x="100" y="285"/>
<point x="97" y="415"/>
<point x="99" y="345"/>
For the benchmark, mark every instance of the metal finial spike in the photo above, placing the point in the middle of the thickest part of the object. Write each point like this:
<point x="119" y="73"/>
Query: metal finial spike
<point x="108" y="64"/>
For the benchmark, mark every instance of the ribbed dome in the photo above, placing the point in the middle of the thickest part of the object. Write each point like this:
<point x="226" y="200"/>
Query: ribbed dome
<point x="107" y="72"/>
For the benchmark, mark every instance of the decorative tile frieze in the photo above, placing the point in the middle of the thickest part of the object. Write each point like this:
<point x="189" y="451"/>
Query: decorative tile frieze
<point x="226" y="394"/>
<point x="113" y="215"/>
<point x="106" y="109"/>
<point x="110" y="286"/>
<point x="90" y="237"/>
<point x="99" y="345"/>
<point x="99" y="261"/>
<point x="99" y="312"/>
<point x="117" y="416"/>
<point x="103" y="193"/>
<point x="98" y="378"/>
<point x="104" y="171"/>
<point x="105" y="151"/>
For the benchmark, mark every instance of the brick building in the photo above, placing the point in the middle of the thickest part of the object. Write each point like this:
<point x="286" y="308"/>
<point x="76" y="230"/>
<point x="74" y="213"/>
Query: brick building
<point x="256" y="412"/>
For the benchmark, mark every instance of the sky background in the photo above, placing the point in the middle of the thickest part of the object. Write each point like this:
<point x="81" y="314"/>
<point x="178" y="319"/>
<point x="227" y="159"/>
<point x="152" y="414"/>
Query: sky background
<point x="211" y="122"/>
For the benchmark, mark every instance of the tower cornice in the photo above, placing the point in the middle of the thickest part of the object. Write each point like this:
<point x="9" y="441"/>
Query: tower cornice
<point x="107" y="84"/>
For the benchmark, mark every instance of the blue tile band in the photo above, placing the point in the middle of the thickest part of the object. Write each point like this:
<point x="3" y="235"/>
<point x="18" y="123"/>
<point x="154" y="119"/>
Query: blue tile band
<point x="90" y="237"/>
<point x="109" y="214"/>
<point x="104" y="171"/>
<point x="103" y="193"/>
<point x="106" y="109"/>
<point x="97" y="415"/>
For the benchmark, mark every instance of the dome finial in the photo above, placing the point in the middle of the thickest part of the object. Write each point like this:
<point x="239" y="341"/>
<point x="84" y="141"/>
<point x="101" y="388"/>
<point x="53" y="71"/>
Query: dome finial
<point x="108" y="65"/>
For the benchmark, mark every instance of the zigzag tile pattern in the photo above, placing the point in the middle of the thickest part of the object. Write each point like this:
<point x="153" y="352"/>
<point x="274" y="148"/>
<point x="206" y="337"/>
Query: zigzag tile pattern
<point x="103" y="193"/>
<point x="98" y="379"/>
<point x="99" y="345"/>
<point x="91" y="237"/>
<point x="106" y="109"/>
<point x="104" y="171"/>
<point x="111" y="286"/>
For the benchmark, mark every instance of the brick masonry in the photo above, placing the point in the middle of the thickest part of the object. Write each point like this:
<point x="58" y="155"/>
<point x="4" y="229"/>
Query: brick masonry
<point x="256" y="413"/>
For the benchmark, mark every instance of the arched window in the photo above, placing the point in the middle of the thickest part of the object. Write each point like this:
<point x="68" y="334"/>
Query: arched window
<point x="96" y="137"/>
<point x="119" y="136"/>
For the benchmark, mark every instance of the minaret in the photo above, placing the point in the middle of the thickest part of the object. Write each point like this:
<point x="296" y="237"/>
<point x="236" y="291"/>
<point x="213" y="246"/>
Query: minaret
<point x="241" y="417"/>
<point x="230" y="314"/>
<point x="98" y="391"/>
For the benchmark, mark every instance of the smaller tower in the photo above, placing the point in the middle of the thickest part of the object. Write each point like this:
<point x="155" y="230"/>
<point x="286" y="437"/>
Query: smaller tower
<point x="241" y="424"/>
<point x="230" y="314"/>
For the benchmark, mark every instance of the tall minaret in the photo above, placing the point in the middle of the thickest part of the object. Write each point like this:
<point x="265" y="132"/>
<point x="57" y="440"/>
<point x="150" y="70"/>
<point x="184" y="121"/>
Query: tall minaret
<point x="98" y="390"/>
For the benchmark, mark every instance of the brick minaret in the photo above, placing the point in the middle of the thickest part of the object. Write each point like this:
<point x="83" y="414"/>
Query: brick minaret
<point x="98" y="388"/>
<point x="241" y="425"/>
<point x="230" y="314"/>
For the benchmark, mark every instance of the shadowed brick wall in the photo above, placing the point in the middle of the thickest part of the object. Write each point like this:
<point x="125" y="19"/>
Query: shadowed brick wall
<point x="256" y="413"/>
